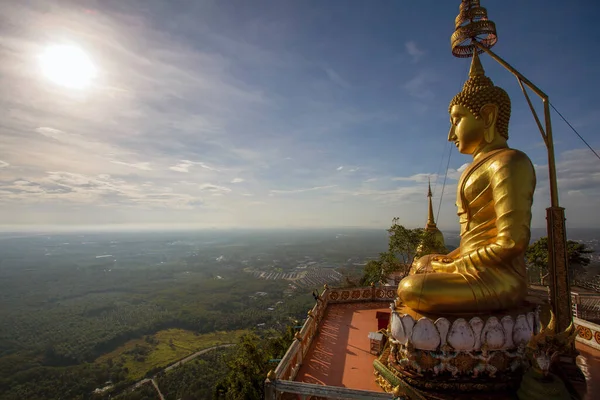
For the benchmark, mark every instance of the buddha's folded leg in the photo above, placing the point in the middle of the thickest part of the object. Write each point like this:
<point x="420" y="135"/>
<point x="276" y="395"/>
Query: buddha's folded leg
<point x="438" y="292"/>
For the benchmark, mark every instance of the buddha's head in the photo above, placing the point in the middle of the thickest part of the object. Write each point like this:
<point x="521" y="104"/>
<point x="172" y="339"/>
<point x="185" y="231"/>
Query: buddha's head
<point x="479" y="114"/>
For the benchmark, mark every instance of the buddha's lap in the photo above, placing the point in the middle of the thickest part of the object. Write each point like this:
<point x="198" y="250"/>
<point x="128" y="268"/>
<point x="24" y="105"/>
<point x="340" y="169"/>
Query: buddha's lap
<point x="449" y="292"/>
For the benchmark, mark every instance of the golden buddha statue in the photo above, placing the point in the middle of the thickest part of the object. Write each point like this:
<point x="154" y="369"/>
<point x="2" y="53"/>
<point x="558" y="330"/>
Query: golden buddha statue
<point x="494" y="196"/>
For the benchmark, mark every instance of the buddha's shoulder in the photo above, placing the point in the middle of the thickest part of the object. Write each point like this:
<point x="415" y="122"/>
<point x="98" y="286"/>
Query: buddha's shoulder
<point x="509" y="155"/>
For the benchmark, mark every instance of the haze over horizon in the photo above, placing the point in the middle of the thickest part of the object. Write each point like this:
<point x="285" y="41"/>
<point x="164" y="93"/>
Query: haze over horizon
<point x="275" y="114"/>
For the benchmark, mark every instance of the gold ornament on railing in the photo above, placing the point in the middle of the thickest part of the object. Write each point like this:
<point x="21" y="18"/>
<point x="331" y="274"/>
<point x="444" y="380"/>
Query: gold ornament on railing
<point x="472" y="24"/>
<point x="544" y="348"/>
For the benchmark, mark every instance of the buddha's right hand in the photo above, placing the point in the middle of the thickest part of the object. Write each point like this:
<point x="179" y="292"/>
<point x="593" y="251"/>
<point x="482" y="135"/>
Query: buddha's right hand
<point x="443" y="264"/>
<point x="423" y="264"/>
<point x="424" y="269"/>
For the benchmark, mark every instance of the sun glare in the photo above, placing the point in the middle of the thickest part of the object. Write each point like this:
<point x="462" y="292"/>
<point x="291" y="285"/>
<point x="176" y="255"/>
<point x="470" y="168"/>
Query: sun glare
<point x="67" y="66"/>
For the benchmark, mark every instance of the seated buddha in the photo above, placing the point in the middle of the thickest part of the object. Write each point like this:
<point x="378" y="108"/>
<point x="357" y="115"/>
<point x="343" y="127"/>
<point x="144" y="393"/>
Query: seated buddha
<point x="494" y="197"/>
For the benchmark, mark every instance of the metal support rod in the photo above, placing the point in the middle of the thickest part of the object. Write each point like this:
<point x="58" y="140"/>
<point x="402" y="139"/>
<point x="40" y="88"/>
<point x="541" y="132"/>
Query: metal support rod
<point x="551" y="162"/>
<point x="558" y="265"/>
<point x="537" y="120"/>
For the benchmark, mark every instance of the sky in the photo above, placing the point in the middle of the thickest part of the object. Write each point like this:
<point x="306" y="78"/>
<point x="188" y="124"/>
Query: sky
<point x="261" y="114"/>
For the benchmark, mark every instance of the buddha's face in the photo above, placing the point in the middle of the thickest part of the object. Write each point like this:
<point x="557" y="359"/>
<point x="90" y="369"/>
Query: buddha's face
<point x="467" y="132"/>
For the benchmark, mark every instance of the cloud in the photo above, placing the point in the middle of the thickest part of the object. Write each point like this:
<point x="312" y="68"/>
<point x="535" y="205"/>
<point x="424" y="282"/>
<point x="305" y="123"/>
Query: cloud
<point x="452" y="174"/>
<point x="3" y="164"/>
<point x="185" y="165"/>
<point x="463" y="167"/>
<point x="346" y="168"/>
<point x="181" y="167"/>
<point x="274" y="191"/>
<point x="578" y="175"/>
<point x="420" y="86"/>
<point x="257" y="203"/>
<point x="336" y="78"/>
<point x="214" y="188"/>
<point x="78" y="141"/>
<point x="415" y="193"/>
<point x="61" y="189"/>
<point x="66" y="186"/>
<point x="56" y="134"/>
<point x="182" y="111"/>
<point x="145" y="166"/>
<point x="576" y="170"/>
<point x="413" y="50"/>
<point x="416" y="178"/>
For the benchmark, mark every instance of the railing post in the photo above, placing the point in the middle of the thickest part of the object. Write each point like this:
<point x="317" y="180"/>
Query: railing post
<point x="575" y="300"/>
<point x="270" y="392"/>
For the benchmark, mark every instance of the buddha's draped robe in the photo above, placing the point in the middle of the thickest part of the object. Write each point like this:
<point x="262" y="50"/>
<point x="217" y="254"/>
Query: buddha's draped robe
<point x="494" y="199"/>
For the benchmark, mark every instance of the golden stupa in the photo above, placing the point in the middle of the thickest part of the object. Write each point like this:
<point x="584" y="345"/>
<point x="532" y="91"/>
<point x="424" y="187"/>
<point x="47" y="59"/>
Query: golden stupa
<point x="431" y="226"/>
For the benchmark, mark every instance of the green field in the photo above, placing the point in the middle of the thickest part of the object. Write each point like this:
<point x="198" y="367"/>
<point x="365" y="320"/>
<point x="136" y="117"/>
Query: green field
<point x="72" y="322"/>
<point x="163" y="348"/>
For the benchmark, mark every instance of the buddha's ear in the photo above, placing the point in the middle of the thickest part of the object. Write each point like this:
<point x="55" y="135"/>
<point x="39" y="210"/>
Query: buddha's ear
<point x="489" y="114"/>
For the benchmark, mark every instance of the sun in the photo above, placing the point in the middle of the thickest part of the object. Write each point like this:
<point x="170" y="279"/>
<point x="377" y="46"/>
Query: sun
<point x="68" y="66"/>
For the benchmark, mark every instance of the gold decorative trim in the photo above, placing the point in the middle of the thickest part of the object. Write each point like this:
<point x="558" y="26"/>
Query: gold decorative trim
<point x="585" y="332"/>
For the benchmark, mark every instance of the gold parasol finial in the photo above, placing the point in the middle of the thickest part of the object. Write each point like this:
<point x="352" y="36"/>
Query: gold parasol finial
<point x="472" y="24"/>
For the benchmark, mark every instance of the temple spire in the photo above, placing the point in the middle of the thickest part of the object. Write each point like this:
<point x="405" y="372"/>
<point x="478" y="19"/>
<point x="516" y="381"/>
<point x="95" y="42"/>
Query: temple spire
<point x="430" y="219"/>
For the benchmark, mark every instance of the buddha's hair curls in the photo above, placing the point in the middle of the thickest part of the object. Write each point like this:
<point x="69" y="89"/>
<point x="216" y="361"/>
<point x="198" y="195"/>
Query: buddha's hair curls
<point x="478" y="91"/>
